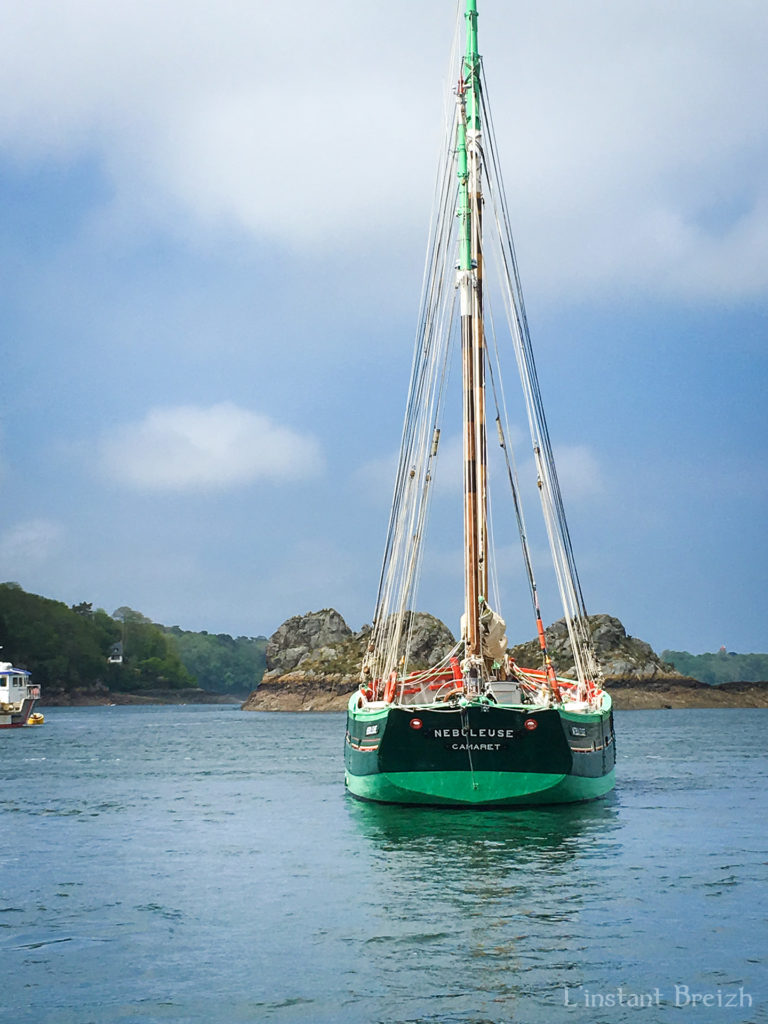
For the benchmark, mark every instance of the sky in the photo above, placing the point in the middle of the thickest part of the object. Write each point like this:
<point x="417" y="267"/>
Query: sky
<point x="213" y="220"/>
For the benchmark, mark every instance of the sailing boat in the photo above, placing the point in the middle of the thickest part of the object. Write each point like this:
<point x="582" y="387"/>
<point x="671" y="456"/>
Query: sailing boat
<point x="475" y="729"/>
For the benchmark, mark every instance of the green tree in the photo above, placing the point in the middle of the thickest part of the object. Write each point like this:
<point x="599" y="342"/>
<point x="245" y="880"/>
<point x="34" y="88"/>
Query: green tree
<point x="58" y="645"/>
<point x="221" y="663"/>
<point x="150" y="659"/>
<point x="67" y="648"/>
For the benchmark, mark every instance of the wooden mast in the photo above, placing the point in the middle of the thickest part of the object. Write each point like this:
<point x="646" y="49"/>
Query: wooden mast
<point x="472" y="346"/>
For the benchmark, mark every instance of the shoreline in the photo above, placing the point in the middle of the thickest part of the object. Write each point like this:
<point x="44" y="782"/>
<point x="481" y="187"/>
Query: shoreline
<point x="109" y="698"/>
<point x="297" y="693"/>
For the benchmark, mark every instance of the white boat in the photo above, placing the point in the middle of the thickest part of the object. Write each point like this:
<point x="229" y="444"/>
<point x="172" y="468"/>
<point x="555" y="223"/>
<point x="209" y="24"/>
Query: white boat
<point x="18" y="696"/>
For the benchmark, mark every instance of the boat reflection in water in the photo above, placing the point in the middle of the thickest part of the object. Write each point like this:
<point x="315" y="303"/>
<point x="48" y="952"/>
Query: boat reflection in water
<point x="506" y="908"/>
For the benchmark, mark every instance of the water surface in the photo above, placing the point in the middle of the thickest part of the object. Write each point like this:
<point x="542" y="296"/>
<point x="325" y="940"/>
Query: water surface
<point x="201" y="864"/>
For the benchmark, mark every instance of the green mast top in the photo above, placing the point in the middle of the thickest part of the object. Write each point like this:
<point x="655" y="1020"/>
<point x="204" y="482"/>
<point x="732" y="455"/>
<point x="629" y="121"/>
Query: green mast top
<point x="471" y="68"/>
<point x="469" y="120"/>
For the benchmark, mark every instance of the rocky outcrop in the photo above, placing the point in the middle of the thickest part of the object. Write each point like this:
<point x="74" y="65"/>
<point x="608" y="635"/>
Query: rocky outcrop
<point x="431" y="639"/>
<point x="635" y="675"/>
<point x="622" y="657"/>
<point x="302" y="691"/>
<point x="313" y="660"/>
<point x="304" y="635"/>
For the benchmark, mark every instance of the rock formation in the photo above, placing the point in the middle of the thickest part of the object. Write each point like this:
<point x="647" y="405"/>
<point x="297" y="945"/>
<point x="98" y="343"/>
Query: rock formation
<point x="622" y="657"/>
<point x="314" y="634"/>
<point x="430" y="639"/>
<point x="313" y="660"/>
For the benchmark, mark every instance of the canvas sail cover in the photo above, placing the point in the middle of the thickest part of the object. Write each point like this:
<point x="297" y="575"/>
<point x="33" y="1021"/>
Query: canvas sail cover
<point x="494" y="634"/>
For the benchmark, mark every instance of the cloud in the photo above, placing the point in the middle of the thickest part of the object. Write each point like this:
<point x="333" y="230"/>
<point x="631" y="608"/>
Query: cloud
<point x="240" y="116"/>
<point x="193" y="448"/>
<point x="635" y="130"/>
<point x="28" y="544"/>
<point x="640" y="154"/>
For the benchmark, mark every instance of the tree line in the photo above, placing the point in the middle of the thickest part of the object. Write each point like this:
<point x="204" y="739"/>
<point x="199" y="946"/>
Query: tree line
<point x="720" y="666"/>
<point x="79" y="648"/>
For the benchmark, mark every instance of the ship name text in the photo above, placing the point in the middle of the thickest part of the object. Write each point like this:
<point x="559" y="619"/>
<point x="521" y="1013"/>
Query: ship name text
<point x="474" y="734"/>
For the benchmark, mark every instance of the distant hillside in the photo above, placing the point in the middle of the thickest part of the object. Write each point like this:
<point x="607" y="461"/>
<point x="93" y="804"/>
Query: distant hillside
<point x="720" y="667"/>
<point x="220" y="663"/>
<point x="83" y="655"/>
<point x="67" y="649"/>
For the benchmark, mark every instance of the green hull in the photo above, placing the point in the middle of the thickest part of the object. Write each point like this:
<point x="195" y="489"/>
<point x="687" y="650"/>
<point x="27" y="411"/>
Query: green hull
<point x="479" y="755"/>
<point x="489" y="789"/>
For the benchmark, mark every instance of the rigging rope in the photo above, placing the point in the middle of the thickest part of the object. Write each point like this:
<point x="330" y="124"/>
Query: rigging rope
<point x="393" y="624"/>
